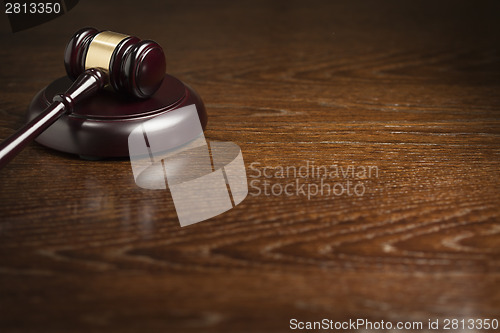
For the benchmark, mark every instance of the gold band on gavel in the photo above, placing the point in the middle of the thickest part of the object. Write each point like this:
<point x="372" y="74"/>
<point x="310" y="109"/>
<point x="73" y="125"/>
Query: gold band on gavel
<point x="101" y="49"/>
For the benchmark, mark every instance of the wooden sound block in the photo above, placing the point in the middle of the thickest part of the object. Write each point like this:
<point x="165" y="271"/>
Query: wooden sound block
<point x="99" y="126"/>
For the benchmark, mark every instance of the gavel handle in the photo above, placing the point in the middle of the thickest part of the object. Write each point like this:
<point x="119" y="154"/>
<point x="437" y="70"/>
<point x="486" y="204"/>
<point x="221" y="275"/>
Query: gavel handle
<point x="87" y="84"/>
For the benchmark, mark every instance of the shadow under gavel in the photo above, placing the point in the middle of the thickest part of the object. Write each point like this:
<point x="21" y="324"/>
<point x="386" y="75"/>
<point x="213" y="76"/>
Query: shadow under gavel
<point x="94" y="59"/>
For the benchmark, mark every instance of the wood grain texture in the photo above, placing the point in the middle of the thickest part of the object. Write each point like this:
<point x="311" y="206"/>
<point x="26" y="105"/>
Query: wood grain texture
<point x="411" y="88"/>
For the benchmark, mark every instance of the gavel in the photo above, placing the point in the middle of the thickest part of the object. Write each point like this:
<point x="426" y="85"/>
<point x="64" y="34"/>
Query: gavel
<point x="94" y="60"/>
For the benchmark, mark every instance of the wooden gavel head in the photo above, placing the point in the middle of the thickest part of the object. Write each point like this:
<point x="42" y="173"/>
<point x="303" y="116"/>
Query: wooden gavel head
<point x="134" y="67"/>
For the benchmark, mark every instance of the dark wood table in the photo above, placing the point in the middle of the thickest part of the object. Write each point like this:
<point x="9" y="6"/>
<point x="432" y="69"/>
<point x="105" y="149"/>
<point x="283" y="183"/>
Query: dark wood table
<point x="410" y="90"/>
